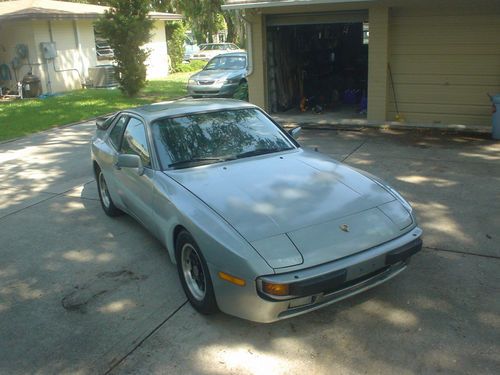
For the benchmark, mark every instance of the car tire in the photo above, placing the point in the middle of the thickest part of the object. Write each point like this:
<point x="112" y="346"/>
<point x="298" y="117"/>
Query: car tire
<point x="107" y="204"/>
<point x="194" y="274"/>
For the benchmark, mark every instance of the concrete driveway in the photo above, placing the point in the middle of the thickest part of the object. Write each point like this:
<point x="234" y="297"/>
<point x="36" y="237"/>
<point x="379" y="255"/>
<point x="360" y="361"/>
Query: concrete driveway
<point x="83" y="293"/>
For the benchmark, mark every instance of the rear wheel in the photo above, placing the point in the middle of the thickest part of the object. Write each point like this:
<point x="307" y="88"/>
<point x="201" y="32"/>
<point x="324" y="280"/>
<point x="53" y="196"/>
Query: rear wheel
<point x="106" y="202"/>
<point x="194" y="274"/>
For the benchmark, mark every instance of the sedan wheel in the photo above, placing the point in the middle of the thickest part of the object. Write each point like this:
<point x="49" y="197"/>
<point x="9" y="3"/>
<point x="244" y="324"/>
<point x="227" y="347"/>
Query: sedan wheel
<point x="194" y="274"/>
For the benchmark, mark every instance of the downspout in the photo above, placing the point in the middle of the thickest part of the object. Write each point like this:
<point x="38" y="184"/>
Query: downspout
<point x="49" y="83"/>
<point x="248" y="26"/>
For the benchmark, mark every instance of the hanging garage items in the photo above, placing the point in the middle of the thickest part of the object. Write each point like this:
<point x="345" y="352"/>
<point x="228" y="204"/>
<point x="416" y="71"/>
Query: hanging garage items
<point x="316" y="67"/>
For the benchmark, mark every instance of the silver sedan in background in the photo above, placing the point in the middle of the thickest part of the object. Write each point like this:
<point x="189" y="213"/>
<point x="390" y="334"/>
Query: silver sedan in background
<point x="258" y="227"/>
<point x="221" y="77"/>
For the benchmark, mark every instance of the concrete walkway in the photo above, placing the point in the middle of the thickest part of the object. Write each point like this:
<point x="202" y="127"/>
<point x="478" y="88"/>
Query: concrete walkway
<point x="83" y="293"/>
<point x="350" y="121"/>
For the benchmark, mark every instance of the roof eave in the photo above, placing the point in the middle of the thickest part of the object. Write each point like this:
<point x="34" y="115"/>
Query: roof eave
<point x="48" y="16"/>
<point x="286" y="3"/>
<point x="54" y="16"/>
<point x="169" y="17"/>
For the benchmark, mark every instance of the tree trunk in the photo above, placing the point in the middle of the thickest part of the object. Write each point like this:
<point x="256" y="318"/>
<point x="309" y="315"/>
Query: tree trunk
<point x="232" y="36"/>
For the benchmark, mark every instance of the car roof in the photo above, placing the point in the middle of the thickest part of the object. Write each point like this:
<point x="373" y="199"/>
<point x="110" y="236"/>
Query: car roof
<point x="211" y="44"/>
<point x="240" y="53"/>
<point x="186" y="106"/>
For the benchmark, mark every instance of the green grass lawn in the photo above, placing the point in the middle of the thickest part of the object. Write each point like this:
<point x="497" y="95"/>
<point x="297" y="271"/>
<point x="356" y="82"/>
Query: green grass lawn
<point x="23" y="117"/>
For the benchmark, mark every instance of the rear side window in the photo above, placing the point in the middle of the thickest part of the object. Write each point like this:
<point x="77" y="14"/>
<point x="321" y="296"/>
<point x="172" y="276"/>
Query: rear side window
<point x="135" y="142"/>
<point x="115" y="136"/>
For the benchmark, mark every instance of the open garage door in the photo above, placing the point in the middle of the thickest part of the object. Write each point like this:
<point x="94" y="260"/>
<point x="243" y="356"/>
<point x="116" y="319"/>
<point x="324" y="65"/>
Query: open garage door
<point x="318" y="63"/>
<point x="443" y="62"/>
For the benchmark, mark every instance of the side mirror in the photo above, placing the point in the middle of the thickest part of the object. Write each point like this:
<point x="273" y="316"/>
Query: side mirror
<point x="130" y="161"/>
<point x="295" y="132"/>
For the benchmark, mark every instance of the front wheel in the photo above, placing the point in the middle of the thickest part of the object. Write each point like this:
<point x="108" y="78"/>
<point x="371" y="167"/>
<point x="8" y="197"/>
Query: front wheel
<point x="194" y="274"/>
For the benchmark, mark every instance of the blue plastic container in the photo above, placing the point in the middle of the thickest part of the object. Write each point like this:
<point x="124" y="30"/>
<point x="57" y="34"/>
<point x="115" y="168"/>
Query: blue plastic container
<point x="495" y="132"/>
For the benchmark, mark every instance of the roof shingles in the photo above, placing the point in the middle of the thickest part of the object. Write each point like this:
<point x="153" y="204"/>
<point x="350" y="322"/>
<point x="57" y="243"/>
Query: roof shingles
<point x="33" y="9"/>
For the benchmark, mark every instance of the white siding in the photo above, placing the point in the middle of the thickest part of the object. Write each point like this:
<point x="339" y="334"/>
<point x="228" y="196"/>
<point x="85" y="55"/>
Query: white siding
<point x="444" y="61"/>
<point x="157" y="61"/>
<point x="66" y="69"/>
<point x="87" y="45"/>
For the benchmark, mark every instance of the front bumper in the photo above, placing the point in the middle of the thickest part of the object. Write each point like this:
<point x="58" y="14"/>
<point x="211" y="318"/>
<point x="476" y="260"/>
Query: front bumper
<point x="322" y="285"/>
<point x="227" y="89"/>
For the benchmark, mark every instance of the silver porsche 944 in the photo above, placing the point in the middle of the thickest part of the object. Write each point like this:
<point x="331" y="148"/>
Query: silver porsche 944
<point x="258" y="226"/>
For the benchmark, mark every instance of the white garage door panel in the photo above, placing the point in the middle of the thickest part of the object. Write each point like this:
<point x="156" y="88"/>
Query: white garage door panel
<point x="470" y="65"/>
<point x="442" y="94"/>
<point x="451" y="49"/>
<point x="443" y="64"/>
<point x="439" y="35"/>
<point x="492" y="82"/>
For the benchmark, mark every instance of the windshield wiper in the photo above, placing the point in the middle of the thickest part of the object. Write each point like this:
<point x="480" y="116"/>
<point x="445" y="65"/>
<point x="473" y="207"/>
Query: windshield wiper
<point x="260" y="151"/>
<point x="187" y="162"/>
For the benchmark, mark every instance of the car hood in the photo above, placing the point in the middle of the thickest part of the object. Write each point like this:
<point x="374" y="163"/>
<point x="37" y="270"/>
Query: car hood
<point x="214" y="75"/>
<point x="291" y="206"/>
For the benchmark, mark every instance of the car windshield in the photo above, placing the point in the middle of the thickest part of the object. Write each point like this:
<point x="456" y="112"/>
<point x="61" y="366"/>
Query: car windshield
<point x="226" y="63"/>
<point x="205" y="138"/>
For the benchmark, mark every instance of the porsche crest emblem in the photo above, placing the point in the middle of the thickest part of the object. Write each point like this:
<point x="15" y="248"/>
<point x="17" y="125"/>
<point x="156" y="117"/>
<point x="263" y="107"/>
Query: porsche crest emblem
<point x="344" y="227"/>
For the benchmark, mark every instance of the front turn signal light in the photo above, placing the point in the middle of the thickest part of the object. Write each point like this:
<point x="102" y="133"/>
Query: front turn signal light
<point x="232" y="279"/>
<point x="275" y="289"/>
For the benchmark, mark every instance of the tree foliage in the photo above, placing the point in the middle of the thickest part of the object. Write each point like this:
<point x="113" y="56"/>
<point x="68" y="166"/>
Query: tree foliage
<point x="127" y="27"/>
<point x="176" y="32"/>
<point x="207" y="18"/>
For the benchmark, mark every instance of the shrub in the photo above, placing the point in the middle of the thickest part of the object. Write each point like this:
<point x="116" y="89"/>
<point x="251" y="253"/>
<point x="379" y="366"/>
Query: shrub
<point x="176" y="32"/>
<point x="241" y="92"/>
<point x="127" y="27"/>
<point x="192" y="66"/>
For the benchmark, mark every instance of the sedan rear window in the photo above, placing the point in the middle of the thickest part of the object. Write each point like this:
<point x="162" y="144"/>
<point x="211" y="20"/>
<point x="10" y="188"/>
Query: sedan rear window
<point x="204" y="138"/>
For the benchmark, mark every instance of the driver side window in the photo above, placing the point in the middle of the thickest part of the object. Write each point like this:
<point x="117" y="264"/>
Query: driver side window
<point x="135" y="141"/>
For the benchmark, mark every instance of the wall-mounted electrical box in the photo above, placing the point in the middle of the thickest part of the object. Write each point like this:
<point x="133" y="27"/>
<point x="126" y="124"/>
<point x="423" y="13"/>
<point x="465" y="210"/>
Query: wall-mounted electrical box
<point x="49" y="50"/>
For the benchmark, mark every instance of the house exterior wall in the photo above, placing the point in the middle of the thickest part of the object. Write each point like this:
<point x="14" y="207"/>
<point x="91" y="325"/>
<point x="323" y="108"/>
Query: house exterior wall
<point x="23" y="32"/>
<point x="157" y="61"/>
<point x="378" y="18"/>
<point x="444" y="59"/>
<point x="65" y="72"/>
<point x="76" y="53"/>
<point x="85" y="29"/>
<point x="257" y="81"/>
